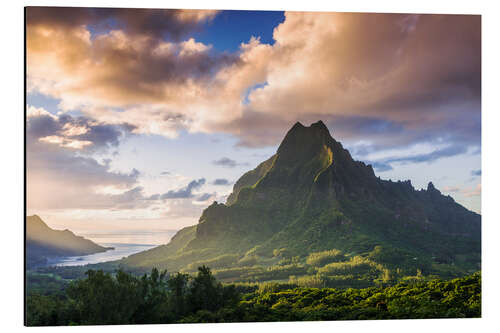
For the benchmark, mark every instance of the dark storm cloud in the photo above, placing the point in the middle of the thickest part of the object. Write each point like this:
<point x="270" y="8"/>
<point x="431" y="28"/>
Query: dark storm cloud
<point x="160" y="23"/>
<point x="185" y="192"/>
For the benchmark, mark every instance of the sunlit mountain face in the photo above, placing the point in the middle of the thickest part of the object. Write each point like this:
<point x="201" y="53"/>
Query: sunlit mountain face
<point x="139" y="119"/>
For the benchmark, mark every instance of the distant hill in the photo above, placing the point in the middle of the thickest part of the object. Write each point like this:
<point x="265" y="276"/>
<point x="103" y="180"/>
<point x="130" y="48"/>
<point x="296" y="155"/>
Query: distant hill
<point x="313" y="215"/>
<point x="42" y="242"/>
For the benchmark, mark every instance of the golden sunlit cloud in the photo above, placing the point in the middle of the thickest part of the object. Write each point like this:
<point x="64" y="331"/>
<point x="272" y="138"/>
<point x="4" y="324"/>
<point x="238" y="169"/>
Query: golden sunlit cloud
<point x="32" y="112"/>
<point x="64" y="142"/>
<point x="72" y="130"/>
<point x="196" y="15"/>
<point x="191" y="47"/>
<point x="321" y="65"/>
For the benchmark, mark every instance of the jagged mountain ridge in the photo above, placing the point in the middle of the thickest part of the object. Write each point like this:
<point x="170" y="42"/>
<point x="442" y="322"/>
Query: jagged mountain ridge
<point x="42" y="242"/>
<point x="312" y="196"/>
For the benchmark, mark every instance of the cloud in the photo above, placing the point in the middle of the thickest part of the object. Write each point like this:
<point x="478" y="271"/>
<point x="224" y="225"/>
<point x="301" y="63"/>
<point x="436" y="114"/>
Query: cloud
<point x="467" y="191"/>
<point x="159" y="23"/>
<point x="451" y="189"/>
<point x="205" y="197"/>
<point x="66" y="143"/>
<point x="476" y="172"/>
<point x="62" y="176"/>
<point x="430" y="157"/>
<point x="60" y="169"/>
<point x="385" y="164"/>
<point x="221" y="182"/>
<point x="185" y="192"/>
<point x="81" y="133"/>
<point x="472" y="192"/>
<point x="227" y="162"/>
<point x="381" y="166"/>
<point x="165" y="173"/>
<point x="58" y="179"/>
<point x="384" y="83"/>
<point x="126" y="71"/>
<point x="396" y="80"/>
<point x="389" y="67"/>
<point x="130" y="199"/>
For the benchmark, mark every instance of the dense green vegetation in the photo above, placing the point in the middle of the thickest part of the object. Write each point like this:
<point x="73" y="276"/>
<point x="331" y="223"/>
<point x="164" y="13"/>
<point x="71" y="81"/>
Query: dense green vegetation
<point x="123" y="298"/>
<point x="45" y="283"/>
<point x="331" y="268"/>
<point x="457" y="298"/>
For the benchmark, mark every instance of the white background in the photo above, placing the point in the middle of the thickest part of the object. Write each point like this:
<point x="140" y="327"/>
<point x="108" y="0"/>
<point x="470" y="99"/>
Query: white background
<point x="12" y="168"/>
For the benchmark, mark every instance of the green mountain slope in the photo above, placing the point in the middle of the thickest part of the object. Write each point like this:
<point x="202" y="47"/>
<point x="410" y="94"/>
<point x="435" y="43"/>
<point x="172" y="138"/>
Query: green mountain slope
<point x="310" y="199"/>
<point x="42" y="242"/>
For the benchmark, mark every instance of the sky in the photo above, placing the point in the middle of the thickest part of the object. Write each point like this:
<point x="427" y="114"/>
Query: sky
<point x="137" y="120"/>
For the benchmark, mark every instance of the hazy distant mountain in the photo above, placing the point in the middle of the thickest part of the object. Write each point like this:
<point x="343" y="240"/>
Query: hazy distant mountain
<point x="42" y="242"/>
<point x="312" y="200"/>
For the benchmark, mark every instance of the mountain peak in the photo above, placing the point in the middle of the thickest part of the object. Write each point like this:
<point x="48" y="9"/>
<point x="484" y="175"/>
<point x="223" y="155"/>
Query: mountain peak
<point x="43" y="242"/>
<point x="320" y="126"/>
<point x="432" y="189"/>
<point x="298" y="124"/>
<point x="314" y="127"/>
<point x="302" y="136"/>
<point x="34" y="221"/>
